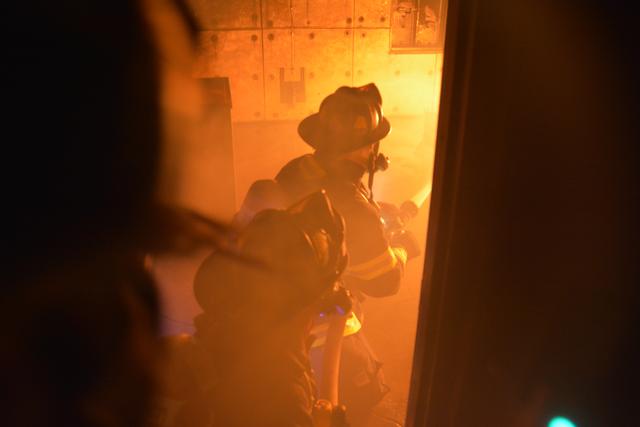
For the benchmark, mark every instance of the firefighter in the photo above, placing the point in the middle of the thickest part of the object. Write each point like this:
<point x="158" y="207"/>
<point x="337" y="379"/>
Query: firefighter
<point x="345" y="135"/>
<point x="79" y="308"/>
<point x="249" y="359"/>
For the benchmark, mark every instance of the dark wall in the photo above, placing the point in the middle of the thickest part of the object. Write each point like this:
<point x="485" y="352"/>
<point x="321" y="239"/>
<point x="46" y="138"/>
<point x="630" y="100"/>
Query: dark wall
<point x="533" y="309"/>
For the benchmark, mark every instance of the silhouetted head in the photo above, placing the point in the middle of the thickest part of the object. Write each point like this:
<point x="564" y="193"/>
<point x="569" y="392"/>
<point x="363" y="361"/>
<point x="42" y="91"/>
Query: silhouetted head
<point x="86" y="108"/>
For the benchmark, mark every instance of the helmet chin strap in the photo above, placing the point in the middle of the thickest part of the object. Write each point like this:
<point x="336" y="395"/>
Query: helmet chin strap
<point x="372" y="169"/>
<point x="377" y="162"/>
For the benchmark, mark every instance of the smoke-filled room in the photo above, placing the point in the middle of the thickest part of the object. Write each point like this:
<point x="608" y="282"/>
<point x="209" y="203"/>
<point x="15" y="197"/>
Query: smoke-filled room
<point x="320" y="213"/>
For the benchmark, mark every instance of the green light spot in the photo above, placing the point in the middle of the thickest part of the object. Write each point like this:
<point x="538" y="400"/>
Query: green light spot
<point x="560" y="422"/>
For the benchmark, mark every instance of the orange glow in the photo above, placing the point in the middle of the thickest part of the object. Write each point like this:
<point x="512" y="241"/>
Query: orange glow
<point x="278" y="75"/>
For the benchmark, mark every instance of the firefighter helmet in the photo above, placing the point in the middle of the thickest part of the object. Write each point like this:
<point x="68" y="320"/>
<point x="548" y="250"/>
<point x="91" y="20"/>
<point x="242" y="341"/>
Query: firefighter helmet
<point x="348" y="119"/>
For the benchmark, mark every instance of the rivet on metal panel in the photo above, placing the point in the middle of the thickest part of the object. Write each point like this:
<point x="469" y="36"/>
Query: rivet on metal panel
<point x="364" y="34"/>
<point x="272" y="77"/>
<point x="349" y="20"/>
<point x="311" y="75"/>
<point x="312" y="36"/>
<point x="214" y="38"/>
<point x="254" y="77"/>
<point x="346" y="33"/>
<point x="254" y="17"/>
<point x="257" y="114"/>
<point x="254" y="38"/>
<point x="269" y="23"/>
<point x="361" y="19"/>
<point x="308" y="22"/>
<point x="383" y="18"/>
<point x="347" y="73"/>
<point x="271" y="37"/>
<point x="359" y="72"/>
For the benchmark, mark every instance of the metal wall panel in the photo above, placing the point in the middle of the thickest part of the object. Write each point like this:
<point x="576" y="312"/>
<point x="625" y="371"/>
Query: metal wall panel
<point x="323" y="13"/>
<point x="371" y="61"/>
<point x="406" y="81"/>
<point x="413" y="81"/>
<point x="238" y="56"/>
<point x="372" y="14"/>
<point x="276" y="14"/>
<point x="327" y="58"/>
<point x="302" y="66"/>
<point x="278" y="54"/>
<point x="218" y="14"/>
<point x="323" y="56"/>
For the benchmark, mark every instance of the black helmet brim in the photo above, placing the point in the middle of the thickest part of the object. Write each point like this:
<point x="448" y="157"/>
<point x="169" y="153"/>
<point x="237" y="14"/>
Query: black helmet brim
<point x="313" y="132"/>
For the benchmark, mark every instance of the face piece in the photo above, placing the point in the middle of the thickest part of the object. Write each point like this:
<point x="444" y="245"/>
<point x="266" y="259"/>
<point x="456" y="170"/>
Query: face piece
<point x="361" y="156"/>
<point x="324" y="230"/>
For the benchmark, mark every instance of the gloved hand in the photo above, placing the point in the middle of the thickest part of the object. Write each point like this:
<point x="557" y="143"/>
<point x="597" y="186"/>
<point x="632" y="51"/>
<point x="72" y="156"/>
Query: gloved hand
<point x="339" y="301"/>
<point x="391" y="215"/>
<point x="407" y="240"/>
<point x="326" y="414"/>
<point x="339" y="416"/>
